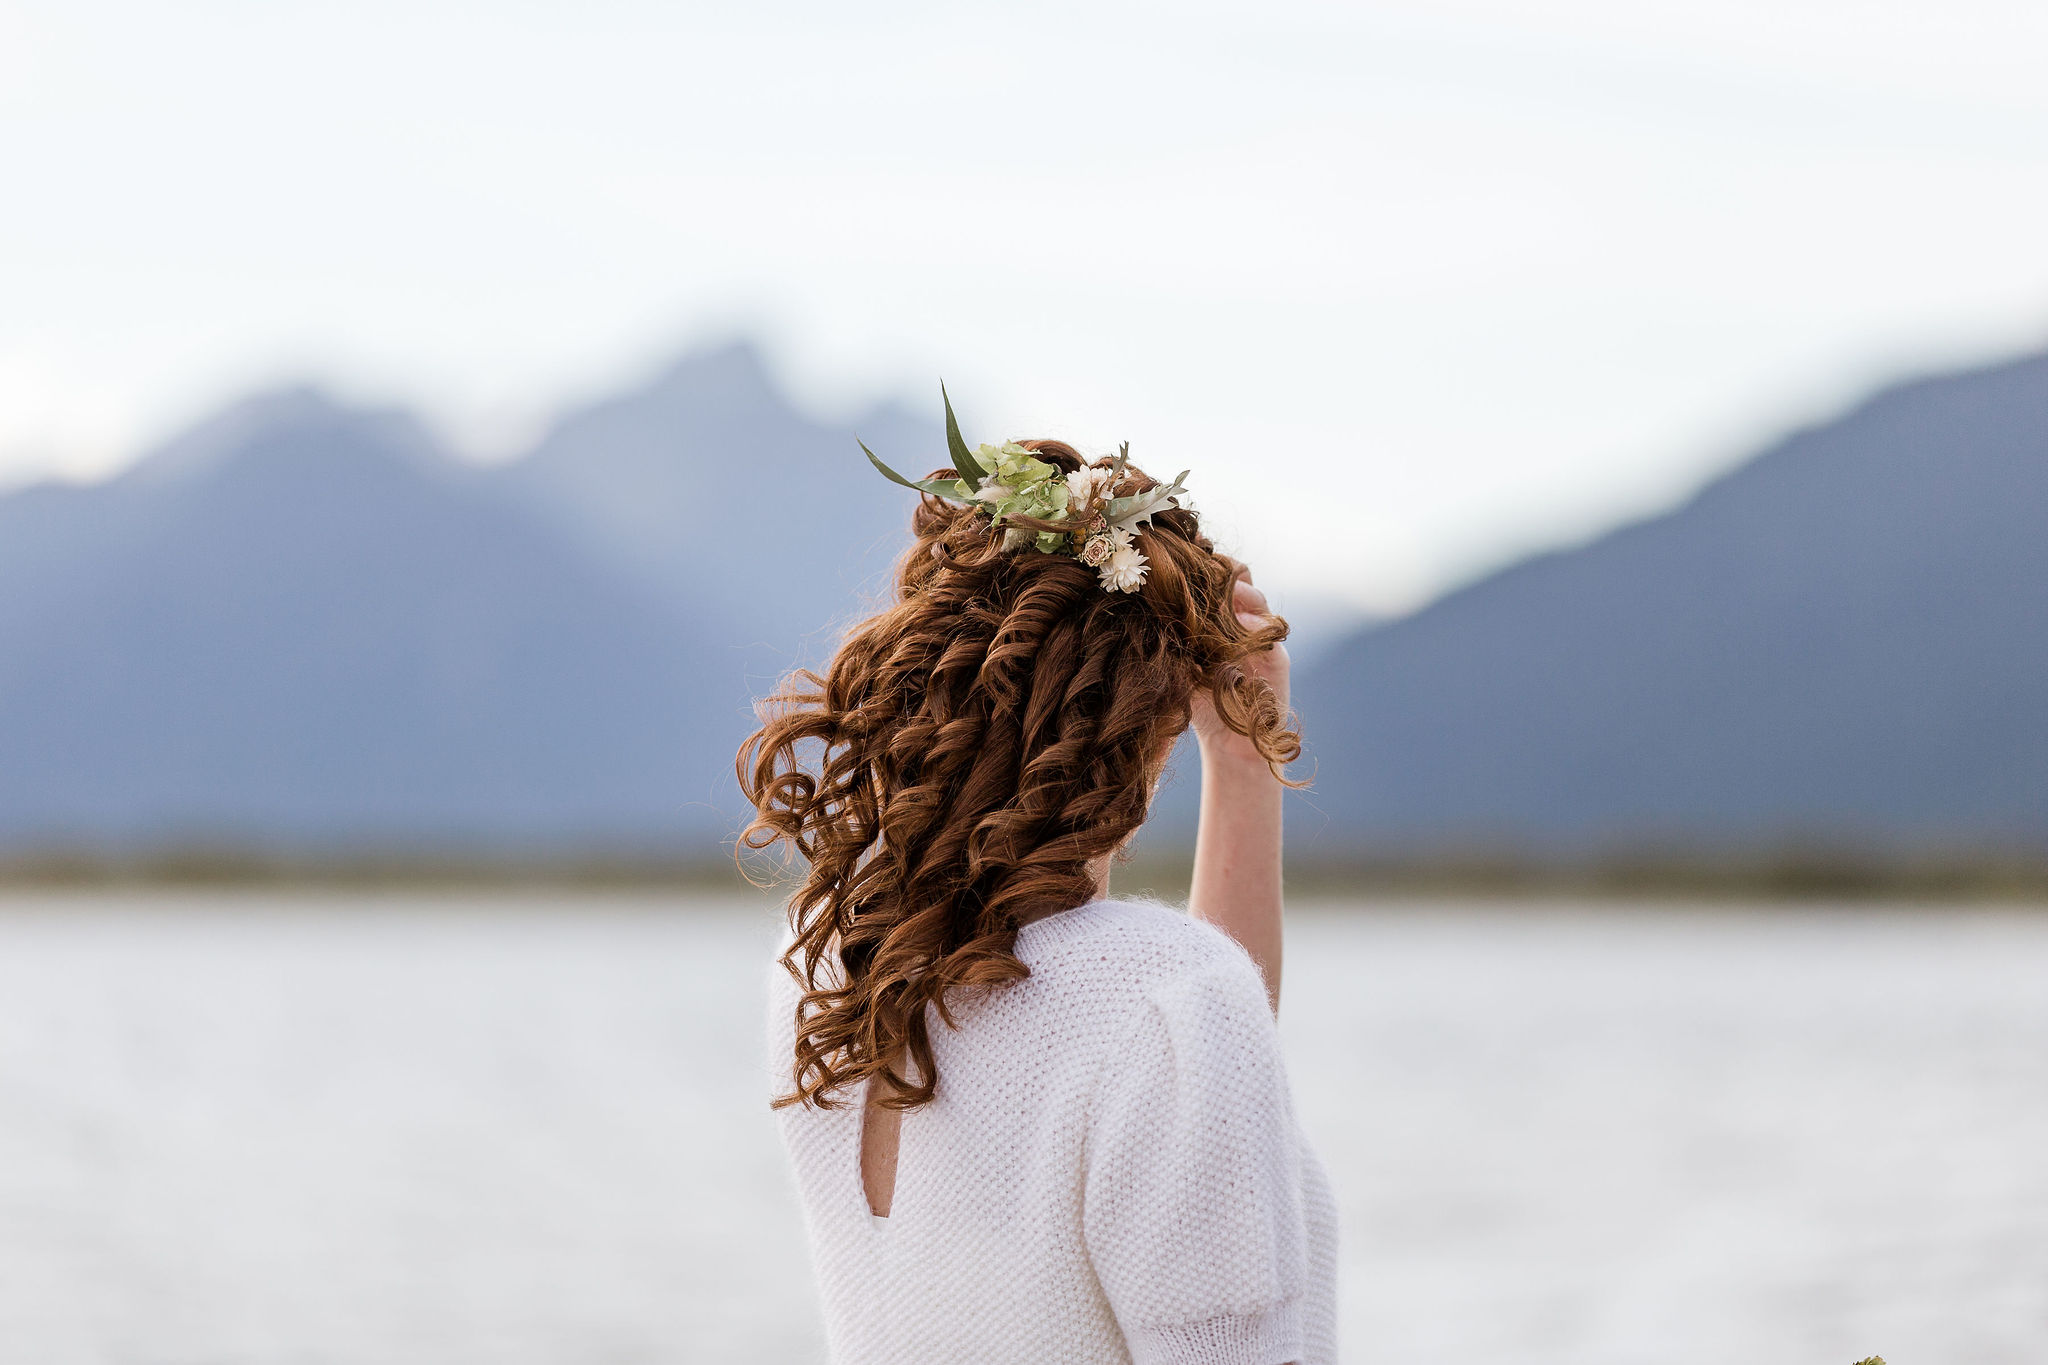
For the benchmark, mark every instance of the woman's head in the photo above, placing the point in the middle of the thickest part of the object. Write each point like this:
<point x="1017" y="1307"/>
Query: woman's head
<point x="971" y="750"/>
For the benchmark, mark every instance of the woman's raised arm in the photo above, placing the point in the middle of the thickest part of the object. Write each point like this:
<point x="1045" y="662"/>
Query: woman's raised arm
<point x="1236" y="884"/>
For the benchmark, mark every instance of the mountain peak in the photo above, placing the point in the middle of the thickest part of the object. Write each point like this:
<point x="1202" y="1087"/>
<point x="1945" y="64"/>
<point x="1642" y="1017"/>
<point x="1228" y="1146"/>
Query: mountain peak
<point x="732" y="377"/>
<point x="287" y="414"/>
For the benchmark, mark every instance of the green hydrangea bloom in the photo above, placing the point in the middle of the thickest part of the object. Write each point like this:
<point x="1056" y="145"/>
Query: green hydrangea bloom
<point x="1013" y="464"/>
<point x="1025" y="486"/>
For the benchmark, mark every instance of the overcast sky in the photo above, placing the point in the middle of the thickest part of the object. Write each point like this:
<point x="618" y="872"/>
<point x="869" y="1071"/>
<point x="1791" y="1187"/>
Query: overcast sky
<point x="1410" y="287"/>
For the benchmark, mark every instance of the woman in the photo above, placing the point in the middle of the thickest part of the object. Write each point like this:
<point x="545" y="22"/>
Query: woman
<point x="1028" y="1122"/>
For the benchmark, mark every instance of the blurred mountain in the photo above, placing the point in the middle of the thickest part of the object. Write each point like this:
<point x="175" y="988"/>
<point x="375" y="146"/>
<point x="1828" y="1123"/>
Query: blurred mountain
<point x="708" y="484"/>
<point x="1842" y="643"/>
<point x="306" y="627"/>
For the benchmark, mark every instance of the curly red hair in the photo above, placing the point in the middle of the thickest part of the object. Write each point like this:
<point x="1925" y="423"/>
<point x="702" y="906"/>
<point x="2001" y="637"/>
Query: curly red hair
<point x="970" y="750"/>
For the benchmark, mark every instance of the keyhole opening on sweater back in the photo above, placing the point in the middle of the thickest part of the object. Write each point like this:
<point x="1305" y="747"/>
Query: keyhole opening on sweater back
<point x="881" y="1136"/>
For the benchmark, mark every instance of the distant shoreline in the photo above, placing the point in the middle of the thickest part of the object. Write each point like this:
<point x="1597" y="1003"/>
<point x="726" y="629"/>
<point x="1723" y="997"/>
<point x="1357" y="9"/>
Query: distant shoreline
<point x="1795" y="875"/>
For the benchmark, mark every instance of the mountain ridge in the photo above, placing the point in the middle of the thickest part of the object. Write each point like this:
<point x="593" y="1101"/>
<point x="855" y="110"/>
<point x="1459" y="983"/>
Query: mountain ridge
<point x="1839" y="641"/>
<point x="302" y="624"/>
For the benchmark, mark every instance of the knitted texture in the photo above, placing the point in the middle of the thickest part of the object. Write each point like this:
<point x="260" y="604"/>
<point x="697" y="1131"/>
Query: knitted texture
<point x="1111" y="1170"/>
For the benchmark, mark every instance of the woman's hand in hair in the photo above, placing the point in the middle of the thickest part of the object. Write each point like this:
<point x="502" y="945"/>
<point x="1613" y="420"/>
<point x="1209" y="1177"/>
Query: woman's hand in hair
<point x="1218" y="740"/>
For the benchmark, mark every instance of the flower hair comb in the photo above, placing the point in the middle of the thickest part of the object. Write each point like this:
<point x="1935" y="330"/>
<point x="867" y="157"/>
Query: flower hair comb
<point x="1053" y="513"/>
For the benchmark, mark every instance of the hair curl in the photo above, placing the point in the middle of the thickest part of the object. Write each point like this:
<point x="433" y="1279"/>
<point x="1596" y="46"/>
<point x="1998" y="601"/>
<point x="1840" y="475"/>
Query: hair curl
<point x="971" y="749"/>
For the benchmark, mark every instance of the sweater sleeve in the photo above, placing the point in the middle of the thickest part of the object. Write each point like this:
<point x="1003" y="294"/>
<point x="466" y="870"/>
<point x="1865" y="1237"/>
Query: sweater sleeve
<point x="1192" y="1196"/>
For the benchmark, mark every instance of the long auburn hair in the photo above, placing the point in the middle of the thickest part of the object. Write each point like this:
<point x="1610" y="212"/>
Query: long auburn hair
<point x="970" y="750"/>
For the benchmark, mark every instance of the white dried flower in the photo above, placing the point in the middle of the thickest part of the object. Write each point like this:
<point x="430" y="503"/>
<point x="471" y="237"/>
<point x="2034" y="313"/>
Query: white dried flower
<point x="1084" y="486"/>
<point x="1125" y="571"/>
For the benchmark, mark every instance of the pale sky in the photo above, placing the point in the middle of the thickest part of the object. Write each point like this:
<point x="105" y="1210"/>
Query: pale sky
<point x="1411" y="288"/>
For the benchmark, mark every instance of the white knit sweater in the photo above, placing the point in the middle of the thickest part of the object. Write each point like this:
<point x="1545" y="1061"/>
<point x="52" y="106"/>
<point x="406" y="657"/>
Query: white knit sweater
<point x="1111" y="1170"/>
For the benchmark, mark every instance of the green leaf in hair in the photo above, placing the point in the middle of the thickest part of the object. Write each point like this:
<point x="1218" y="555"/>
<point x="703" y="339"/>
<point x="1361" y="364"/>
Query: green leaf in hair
<point x="964" y="462"/>
<point x="944" y="488"/>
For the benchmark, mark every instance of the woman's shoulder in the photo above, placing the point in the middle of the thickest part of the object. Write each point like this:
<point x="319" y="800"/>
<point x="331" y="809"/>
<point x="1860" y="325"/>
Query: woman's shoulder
<point x="1133" y="946"/>
<point x="1125" y="948"/>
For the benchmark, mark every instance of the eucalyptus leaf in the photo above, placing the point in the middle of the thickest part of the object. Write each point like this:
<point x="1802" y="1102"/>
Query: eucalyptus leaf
<point x="964" y="462"/>
<point x="891" y="475"/>
<point x="943" y="488"/>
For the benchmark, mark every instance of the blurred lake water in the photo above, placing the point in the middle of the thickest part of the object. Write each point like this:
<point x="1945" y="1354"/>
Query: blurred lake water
<point x="384" y="1130"/>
